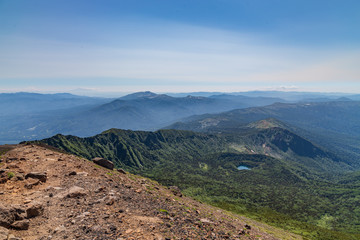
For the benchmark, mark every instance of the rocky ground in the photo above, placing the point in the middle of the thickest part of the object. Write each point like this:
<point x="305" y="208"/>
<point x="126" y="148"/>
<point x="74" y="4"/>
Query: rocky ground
<point x="45" y="194"/>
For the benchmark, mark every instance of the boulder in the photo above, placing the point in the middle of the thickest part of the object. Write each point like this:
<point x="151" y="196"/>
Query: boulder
<point x="103" y="162"/>
<point x="7" y="216"/>
<point x="37" y="175"/>
<point x="34" y="210"/>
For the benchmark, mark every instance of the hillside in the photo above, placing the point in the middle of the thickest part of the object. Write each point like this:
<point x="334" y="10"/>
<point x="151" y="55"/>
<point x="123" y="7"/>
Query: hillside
<point x="333" y="125"/>
<point x="46" y="194"/>
<point x="290" y="191"/>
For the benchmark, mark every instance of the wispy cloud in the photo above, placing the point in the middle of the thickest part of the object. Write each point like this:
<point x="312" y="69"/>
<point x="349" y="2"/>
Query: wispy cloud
<point x="153" y="54"/>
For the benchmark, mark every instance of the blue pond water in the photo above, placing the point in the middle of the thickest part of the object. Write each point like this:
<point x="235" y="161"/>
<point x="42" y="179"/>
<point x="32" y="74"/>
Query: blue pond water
<point x="241" y="167"/>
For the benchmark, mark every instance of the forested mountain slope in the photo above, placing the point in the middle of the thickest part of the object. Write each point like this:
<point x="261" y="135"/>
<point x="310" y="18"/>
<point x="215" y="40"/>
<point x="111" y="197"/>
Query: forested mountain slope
<point x="287" y="191"/>
<point x="334" y="125"/>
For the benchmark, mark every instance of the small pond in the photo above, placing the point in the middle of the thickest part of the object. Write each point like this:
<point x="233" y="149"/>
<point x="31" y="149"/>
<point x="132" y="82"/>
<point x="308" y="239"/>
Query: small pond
<point x="242" y="167"/>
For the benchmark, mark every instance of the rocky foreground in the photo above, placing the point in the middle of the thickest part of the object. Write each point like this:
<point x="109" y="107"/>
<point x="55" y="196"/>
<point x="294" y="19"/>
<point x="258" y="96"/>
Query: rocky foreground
<point x="45" y="194"/>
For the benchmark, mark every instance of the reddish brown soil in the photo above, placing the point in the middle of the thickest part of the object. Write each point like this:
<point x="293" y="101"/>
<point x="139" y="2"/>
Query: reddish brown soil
<point x="109" y="204"/>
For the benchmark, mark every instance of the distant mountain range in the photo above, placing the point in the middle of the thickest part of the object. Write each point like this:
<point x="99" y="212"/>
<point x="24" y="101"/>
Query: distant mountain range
<point x="27" y="116"/>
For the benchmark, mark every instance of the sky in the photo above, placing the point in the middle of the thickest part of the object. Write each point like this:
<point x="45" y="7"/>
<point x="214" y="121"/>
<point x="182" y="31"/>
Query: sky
<point x="110" y="46"/>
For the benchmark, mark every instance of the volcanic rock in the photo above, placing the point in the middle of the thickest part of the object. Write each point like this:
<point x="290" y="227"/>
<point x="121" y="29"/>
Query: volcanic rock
<point x="36" y="209"/>
<point x="21" y="225"/>
<point x="103" y="162"/>
<point x="37" y="175"/>
<point x="75" y="191"/>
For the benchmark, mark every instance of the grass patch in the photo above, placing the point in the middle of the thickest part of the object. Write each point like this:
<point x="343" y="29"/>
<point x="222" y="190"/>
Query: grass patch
<point x="10" y="175"/>
<point x="163" y="211"/>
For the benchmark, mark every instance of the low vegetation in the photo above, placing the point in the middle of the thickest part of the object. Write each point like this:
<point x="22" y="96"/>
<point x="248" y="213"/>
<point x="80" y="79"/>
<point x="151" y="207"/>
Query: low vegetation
<point x="286" y="192"/>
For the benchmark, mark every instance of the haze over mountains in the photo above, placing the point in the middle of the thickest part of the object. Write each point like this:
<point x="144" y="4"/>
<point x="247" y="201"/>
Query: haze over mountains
<point x="27" y="116"/>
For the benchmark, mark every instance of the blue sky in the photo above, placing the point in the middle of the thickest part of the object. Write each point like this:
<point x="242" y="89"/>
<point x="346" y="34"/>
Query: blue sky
<point x="179" y="45"/>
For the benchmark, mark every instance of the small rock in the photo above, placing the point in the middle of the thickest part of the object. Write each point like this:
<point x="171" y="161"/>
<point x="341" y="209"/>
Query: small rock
<point x="4" y="233"/>
<point x="103" y="162"/>
<point x="72" y="173"/>
<point x="82" y="174"/>
<point x="100" y="189"/>
<point x="110" y="201"/>
<point x="120" y="170"/>
<point x="60" y="229"/>
<point x="13" y="165"/>
<point x="247" y="226"/>
<point x="12" y="237"/>
<point x="19" y="176"/>
<point x="19" y="212"/>
<point x="37" y="175"/>
<point x="21" y="225"/>
<point x="75" y="192"/>
<point x="3" y="180"/>
<point x="204" y="220"/>
<point x="30" y="183"/>
<point x="176" y="191"/>
<point x="129" y="231"/>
